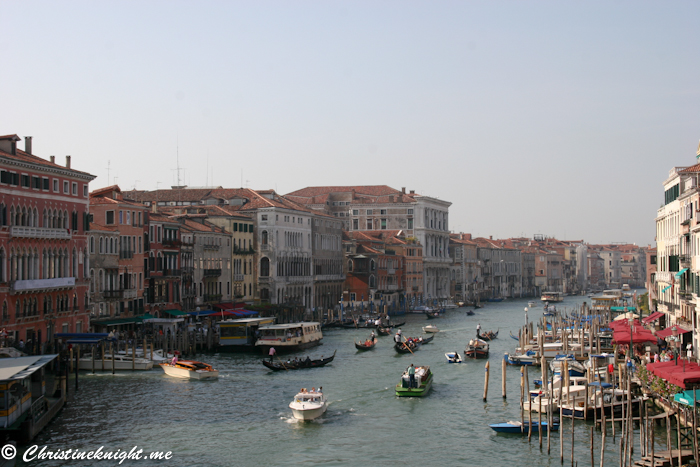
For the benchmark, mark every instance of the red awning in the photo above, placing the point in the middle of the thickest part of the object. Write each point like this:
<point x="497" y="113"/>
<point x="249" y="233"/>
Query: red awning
<point x="675" y="374"/>
<point x="623" y="324"/>
<point x="669" y="332"/>
<point x="652" y="317"/>
<point x="224" y="306"/>
<point x="640" y="335"/>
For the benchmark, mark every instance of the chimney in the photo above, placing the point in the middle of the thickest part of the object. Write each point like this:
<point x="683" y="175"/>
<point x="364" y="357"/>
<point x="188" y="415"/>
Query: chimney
<point x="490" y="237"/>
<point x="28" y="144"/>
<point x="403" y="190"/>
<point x="413" y="192"/>
<point x="53" y="159"/>
<point x="67" y="162"/>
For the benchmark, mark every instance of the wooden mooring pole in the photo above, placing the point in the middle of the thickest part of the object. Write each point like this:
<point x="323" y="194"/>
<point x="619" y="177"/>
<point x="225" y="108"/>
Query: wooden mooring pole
<point x="503" y="377"/>
<point x="486" y="380"/>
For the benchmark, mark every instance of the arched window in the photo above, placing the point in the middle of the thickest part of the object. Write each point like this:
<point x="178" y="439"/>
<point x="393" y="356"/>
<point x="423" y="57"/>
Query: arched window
<point x="102" y="245"/>
<point x="349" y="265"/>
<point x="372" y="265"/>
<point x="372" y="282"/>
<point x="264" y="237"/>
<point x="92" y="244"/>
<point x="264" y="267"/>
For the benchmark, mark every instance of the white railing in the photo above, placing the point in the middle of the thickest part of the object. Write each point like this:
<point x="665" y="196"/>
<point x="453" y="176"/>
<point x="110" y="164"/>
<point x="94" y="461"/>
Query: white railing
<point x="39" y="232"/>
<point x="238" y="277"/>
<point x="129" y="293"/>
<point x="34" y="284"/>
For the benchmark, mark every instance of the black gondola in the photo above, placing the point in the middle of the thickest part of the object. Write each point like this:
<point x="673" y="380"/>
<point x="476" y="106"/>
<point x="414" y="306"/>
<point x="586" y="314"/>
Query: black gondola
<point x="297" y="365"/>
<point x="365" y="346"/>
<point x="489" y="335"/>
<point x="383" y="331"/>
<point x="470" y="312"/>
<point x="432" y="314"/>
<point x="412" y="344"/>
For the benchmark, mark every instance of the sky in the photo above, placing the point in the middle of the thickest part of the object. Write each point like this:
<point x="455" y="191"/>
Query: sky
<point x="541" y="117"/>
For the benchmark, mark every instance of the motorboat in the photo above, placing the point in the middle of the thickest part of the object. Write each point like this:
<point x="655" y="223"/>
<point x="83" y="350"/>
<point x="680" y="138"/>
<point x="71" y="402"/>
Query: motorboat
<point x="430" y="328"/>
<point x="309" y="405"/>
<point x="423" y="383"/>
<point x="190" y="369"/>
<point x="527" y="359"/>
<point x="477" y="348"/>
<point x="121" y="362"/>
<point x="575" y="368"/>
<point x="453" y="357"/>
<point x="556" y="393"/>
<point x="519" y="427"/>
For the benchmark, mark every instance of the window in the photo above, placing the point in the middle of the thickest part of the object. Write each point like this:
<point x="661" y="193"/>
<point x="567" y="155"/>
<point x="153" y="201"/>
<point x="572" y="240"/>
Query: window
<point x="45" y="183"/>
<point x="85" y="191"/>
<point x="383" y="224"/>
<point x="355" y="212"/>
<point x="369" y="224"/>
<point x="410" y="223"/>
<point x="25" y="180"/>
<point x="121" y="217"/>
<point x="36" y="183"/>
<point x="409" y="211"/>
<point x="109" y="218"/>
<point x="369" y="212"/>
<point x="356" y="224"/>
<point x="65" y="187"/>
<point x="75" y="189"/>
<point x="382" y="212"/>
<point x="263" y="217"/>
<point x="55" y="185"/>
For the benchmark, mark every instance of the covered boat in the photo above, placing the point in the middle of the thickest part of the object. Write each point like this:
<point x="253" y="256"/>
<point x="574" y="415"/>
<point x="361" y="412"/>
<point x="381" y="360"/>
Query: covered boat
<point x="297" y="364"/>
<point x="477" y="348"/>
<point x="190" y="369"/>
<point x="308" y="405"/>
<point x="423" y="383"/>
<point x="289" y="337"/>
<point x="121" y="362"/>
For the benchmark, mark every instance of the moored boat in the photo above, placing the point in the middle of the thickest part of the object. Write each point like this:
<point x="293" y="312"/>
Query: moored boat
<point x="477" y="348"/>
<point x="190" y="369"/>
<point x="423" y="383"/>
<point x="121" y="362"/>
<point x="518" y="427"/>
<point x="309" y="405"/>
<point x="552" y="297"/>
<point x="529" y="358"/>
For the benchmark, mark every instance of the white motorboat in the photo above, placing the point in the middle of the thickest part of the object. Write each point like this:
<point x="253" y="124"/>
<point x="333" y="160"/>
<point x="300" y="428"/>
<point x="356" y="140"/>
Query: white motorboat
<point x="190" y="369"/>
<point x="430" y="328"/>
<point x="453" y="357"/>
<point x="158" y="356"/>
<point x="121" y="362"/>
<point x="308" y="405"/>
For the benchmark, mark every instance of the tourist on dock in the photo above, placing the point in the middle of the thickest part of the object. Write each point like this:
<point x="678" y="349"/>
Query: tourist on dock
<point x="689" y="351"/>
<point x="656" y="357"/>
<point x="411" y="376"/>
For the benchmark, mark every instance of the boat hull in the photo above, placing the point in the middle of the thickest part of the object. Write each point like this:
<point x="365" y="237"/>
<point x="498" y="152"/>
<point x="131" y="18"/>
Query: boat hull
<point x="188" y="374"/>
<point x="281" y="348"/>
<point x="305" y="413"/>
<point x="119" y="364"/>
<point x="511" y="427"/>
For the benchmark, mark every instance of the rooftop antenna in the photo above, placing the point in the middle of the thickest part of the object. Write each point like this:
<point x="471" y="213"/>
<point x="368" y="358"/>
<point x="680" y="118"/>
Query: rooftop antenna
<point x="108" y="163"/>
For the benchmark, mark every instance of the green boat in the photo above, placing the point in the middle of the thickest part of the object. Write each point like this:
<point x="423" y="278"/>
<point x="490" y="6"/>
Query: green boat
<point x="424" y="381"/>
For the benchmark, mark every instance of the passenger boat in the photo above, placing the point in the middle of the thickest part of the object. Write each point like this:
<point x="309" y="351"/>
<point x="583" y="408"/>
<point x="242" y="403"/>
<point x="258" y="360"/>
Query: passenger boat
<point x="190" y="369"/>
<point x="430" y="328"/>
<point x="308" y="405"/>
<point x="240" y="334"/>
<point x="121" y="362"/>
<point x="530" y="304"/>
<point x="423" y="380"/>
<point x="282" y="365"/>
<point x="518" y="427"/>
<point x="453" y="357"/>
<point x="556" y="393"/>
<point x="366" y="345"/>
<point x="477" y="348"/>
<point x="289" y="337"/>
<point x="552" y="297"/>
<point x="411" y="344"/>
<point x="489" y="335"/>
<point x="607" y="399"/>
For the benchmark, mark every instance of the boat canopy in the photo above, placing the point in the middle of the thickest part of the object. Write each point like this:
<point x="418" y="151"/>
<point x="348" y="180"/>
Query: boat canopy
<point x="273" y="327"/>
<point x="623" y="308"/>
<point x="12" y="369"/>
<point x="175" y="312"/>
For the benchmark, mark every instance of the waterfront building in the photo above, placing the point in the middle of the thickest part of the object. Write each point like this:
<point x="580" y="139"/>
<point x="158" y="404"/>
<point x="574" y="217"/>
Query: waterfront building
<point x="104" y="271"/>
<point x="596" y="271"/>
<point x="328" y="258"/>
<point x="500" y="268"/>
<point x="363" y="208"/>
<point x="650" y="280"/>
<point x="162" y="291"/>
<point x="130" y="220"/>
<point x="44" y="259"/>
<point x="465" y="268"/>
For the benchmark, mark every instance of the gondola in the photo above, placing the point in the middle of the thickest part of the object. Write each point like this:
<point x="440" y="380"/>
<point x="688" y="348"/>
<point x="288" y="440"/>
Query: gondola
<point x="383" y="331"/>
<point x="489" y="335"/>
<point x="298" y="365"/>
<point x="413" y="344"/>
<point x="367" y="345"/>
<point x="470" y="312"/>
<point x="432" y="314"/>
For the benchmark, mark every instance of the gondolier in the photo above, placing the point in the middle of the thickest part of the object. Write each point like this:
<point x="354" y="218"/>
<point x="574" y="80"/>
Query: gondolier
<point x="478" y="330"/>
<point x="272" y="352"/>
<point x="397" y="338"/>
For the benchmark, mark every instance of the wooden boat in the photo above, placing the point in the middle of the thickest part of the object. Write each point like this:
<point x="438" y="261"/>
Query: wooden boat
<point x="514" y="337"/>
<point x="366" y="345"/>
<point x="430" y="328"/>
<point x="308" y="405"/>
<point x="518" y="427"/>
<point x="527" y="359"/>
<point x="383" y="331"/>
<point x="411" y="344"/>
<point x="489" y="335"/>
<point x="453" y="357"/>
<point x="297" y="364"/>
<point x="432" y="314"/>
<point x="190" y="369"/>
<point x="424" y="381"/>
<point x="477" y="348"/>
<point x="470" y="312"/>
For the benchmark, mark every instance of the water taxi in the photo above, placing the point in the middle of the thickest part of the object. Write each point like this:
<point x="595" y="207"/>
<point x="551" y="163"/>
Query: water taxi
<point x="423" y="380"/>
<point x="121" y="362"/>
<point x="289" y="337"/>
<point x="308" y="405"/>
<point x="552" y="297"/>
<point x="190" y="369"/>
<point x="240" y="334"/>
<point x="477" y="348"/>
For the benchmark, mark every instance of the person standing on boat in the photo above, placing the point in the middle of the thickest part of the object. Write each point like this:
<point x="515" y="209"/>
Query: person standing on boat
<point x="397" y="338"/>
<point x="273" y="352"/>
<point x="411" y="376"/>
<point x="478" y="330"/>
<point x="372" y="336"/>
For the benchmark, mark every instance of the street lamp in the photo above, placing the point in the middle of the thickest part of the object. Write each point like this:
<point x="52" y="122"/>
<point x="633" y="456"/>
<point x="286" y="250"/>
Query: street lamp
<point x="526" y="320"/>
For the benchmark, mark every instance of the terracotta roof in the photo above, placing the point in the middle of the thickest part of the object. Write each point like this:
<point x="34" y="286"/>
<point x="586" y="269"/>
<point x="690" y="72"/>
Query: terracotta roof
<point x="22" y="156"/>
<point x="691" y="169"/>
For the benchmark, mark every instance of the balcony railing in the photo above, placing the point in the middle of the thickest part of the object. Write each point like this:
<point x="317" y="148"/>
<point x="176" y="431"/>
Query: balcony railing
<point x="212" y="272"/>
<point x="210" y="247"/>
<point x="171" y="242"/>
<point x="112" y="294"/>
<point x="238" y="277"/>
<point x="172" y="272"/>
<point x="212" y="297"/>
<point x="18" y="231"/>
<point x="242" y="251"/>
<point x="42" y="284"/>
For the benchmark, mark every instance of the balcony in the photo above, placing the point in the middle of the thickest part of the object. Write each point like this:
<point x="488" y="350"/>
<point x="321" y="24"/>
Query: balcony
<point x="238" y="277"/>
<point x="171" y="242"/>
<point x="210" y="247"/>
<point x="172" y="272"/>
<point x="35" y="285"/>
<point x="212" y="272"/>
<point x="212" y="297"/>
<point x="112" y="294"/>
<point x="129" y="293"/>
<point x="242" y="251"/>
<point x="18" y="231"/>
<point x="684" y="260"/>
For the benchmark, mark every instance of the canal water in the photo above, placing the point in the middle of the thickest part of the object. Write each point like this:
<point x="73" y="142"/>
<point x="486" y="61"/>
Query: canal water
<point x="243" y="419"/>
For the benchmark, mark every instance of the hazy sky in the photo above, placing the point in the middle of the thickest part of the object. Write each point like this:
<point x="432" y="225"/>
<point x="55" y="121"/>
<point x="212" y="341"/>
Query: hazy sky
<point x="555" y="118"/>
